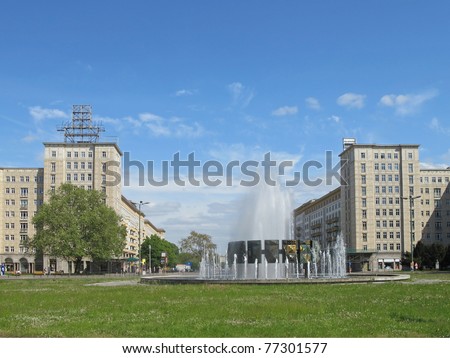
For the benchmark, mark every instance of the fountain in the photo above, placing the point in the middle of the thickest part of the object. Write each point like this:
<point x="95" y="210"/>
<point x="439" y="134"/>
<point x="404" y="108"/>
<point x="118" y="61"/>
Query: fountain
<point x="268" y="249"/>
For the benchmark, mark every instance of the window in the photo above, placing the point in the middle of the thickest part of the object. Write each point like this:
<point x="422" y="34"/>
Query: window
<point x="363" y="167"/>
<point x="53" y="166"/>
<point x="410" y="155"/>
<point x="104" y="154"/>
<point x="53" y="153"/>
<point x="363" y="155"/>
<point x="23" y="191"/>
<point x="378" y="247"/>
<point x="69" y="165"/>
<point x="68" y="178"/>
<point x="363" y="191"/>
<point x="75" y="154"/>
<point x="69" y="154"/>
<point x="385" y="247"/>
<point x="398" y="247"/>
<point x="90" y="155"/>
<point x="376" y="166"/>
<point x="364" y="225"/>
<point x="53" y="178"/>
<point x="363" y="179"/>
<point x="391" y="247"/>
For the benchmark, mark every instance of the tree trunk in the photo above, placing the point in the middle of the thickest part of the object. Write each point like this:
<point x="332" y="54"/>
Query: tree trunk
<point x="78" y="268"/>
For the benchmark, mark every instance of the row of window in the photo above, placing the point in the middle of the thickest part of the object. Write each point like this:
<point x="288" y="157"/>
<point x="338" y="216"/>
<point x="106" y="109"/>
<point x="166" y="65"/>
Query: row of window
<point x="23" y="237"/>
<point x="437" y="236"/>
<point x="24" y="179"/>
<point x="388" y="155"/>
<point x="12" y="213"/>
<point x="81" y="154"/>
<point x="391" y="247"/>
<point x="436" y="191"/>
<point x="434" y="179"/>
<point x="24" y="191"/>
<point x="11" y="249"/>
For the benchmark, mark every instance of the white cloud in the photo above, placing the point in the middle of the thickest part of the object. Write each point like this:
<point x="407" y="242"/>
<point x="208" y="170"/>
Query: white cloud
<point x="240" y="95"/>
<point x="157" y="125"/>
<point x="285" y="111"/>
<point x="185" y="92"/>
<point x="351" y="100"/>
<point x="405" y="104"/>
<point x="38" y="113"/>
<point x="436" y="126"/>
<point x="334" y="118"/>
<point x="313" y="103"/>
<point x="149" y="117"/>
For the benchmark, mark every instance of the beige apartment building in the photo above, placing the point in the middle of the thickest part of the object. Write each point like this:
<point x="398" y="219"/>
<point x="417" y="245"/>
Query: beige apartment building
<point x="387" y="204"/>
<point x="83" y="160"/>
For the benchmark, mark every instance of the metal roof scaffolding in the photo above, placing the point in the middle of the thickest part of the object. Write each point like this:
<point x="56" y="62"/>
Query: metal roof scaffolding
<point x="81" y="129"/>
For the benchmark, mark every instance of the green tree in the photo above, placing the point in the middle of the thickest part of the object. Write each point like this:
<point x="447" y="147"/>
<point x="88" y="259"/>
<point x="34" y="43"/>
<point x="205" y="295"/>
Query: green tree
<point x="75" y="223"/>
<point x="159" y="245"/>
<point x="194" y="247"/>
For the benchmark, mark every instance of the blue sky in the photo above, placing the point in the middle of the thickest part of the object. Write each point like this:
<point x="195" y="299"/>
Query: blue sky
<point x="225" y="80"/>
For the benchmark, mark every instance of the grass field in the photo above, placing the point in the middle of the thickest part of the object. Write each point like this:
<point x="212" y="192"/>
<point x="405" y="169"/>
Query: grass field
<point x="69" y="307"/>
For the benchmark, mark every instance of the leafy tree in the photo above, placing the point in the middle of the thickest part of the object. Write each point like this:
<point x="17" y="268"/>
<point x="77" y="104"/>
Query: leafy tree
<point x="437" y="252"/>
<point x="159" y="245"/>
<point x="76" y="223"/>
<point x="195" y="245"/>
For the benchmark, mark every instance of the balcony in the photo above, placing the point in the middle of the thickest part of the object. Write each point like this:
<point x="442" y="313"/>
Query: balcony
<point x="333" y="220"/>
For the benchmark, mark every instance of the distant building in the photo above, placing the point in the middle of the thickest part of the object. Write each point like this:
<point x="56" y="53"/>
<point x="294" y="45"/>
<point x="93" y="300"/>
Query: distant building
<point x="386" y="204"/>
<point x="81" y="160"/>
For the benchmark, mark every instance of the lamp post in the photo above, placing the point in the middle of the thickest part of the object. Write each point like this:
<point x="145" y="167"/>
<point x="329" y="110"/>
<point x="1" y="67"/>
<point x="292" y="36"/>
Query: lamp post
<point x="139" y="236"/>
<point x="411" y="224"/>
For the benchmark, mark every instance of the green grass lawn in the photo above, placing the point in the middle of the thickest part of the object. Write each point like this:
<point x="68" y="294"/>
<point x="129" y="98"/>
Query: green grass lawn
<point x="67" y="307"/>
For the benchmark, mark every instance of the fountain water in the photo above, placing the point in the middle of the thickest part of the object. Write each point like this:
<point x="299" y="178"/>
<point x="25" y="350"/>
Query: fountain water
<point x="266" y="236"/>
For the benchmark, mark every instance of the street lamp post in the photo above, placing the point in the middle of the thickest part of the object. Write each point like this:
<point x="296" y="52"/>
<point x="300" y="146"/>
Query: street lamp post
<point x="411" y="224"/>
<point x="139" y="236"/>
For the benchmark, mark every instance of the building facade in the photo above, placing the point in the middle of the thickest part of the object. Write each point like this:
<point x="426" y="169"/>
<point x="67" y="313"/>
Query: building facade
<point x="82" y="160"/>
<point x="387" y="204"/>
